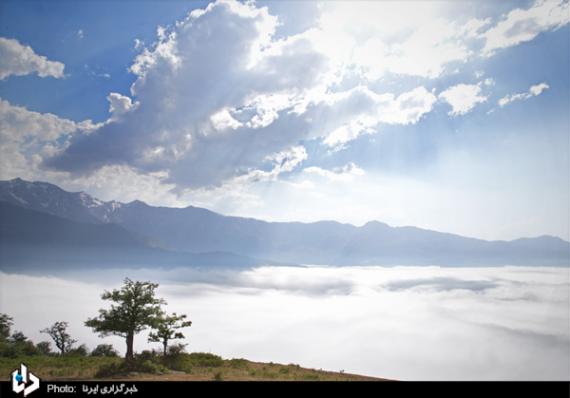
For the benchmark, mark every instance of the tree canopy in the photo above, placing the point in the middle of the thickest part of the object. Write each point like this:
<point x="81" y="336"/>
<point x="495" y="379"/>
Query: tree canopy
<point x="59" y="335"/>
<point x="136" y="309"/>
<point x="167" y="329"/>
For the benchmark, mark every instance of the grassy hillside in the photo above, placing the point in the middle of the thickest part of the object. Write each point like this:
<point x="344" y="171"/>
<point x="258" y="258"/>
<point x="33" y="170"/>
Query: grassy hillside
<point x="184" y="367"/>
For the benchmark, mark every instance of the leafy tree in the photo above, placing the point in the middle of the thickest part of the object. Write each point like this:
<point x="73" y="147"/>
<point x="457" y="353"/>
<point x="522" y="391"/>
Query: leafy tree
<point x="6" y="323"/>
<point x="44" y="348"/>
<point x="137" y="308"/>
<point x="104" y="350"/>
<point x="62" y="339"/>
<point x="167" y="328"/>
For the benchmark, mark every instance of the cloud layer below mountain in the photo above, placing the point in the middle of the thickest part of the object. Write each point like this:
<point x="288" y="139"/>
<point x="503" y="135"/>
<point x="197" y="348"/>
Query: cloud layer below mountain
<point x="404" y="323"/>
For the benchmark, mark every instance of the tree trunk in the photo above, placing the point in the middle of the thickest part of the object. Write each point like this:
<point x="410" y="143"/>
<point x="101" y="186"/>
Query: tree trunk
<point x="130" y="339"/>
<point x="164" y="345"/>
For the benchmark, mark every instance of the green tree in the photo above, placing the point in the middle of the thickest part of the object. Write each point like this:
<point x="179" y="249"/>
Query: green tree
<point x="167" y="328"/>
<point x="137" y="308"/>
<point x="6" y="323"/>
<point x="59" y="335"/>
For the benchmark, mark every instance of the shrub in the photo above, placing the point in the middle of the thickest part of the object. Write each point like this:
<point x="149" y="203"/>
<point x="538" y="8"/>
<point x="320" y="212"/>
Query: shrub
<point x="218" y="376"/>
<point x="204" y="359"/>
<point x="8" y="350"/>
<point x="147" y="355"/>
<point x="238" y="363"/>
<point x="123" y="368"/>
<point x="44" y="348"/>
<point x="104" y="350"/>
<point x="81" y="351"/>
<point x="176" y="349"/>
<point x="109" y="370"/>
<point x="185" y="362"/>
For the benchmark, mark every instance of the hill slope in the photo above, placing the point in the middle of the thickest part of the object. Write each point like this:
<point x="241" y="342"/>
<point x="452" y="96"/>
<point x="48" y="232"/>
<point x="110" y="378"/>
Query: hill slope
<point x="54" y="368"/>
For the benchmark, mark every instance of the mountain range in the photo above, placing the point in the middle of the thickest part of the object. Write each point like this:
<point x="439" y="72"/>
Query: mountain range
<point x="44" y="225"/>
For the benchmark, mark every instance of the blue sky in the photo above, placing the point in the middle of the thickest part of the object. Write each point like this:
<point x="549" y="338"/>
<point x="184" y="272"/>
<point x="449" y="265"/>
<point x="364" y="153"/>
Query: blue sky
<point x="447" y="117"/>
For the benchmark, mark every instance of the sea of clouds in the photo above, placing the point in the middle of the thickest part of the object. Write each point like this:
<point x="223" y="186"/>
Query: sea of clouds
<point x="408" y="323"/>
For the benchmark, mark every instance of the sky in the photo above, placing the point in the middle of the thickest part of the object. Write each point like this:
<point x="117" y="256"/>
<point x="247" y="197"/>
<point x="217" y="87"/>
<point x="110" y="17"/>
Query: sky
<point x="404" y="323"/>
<point x="452" y="116"/>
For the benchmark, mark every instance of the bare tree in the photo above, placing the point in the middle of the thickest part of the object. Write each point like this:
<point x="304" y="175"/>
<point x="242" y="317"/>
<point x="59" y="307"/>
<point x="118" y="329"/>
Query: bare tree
<point x="62" y="339"/>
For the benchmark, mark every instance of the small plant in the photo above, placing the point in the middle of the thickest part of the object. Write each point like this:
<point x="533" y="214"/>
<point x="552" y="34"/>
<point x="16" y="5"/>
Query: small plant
<point x="218" y="376"/>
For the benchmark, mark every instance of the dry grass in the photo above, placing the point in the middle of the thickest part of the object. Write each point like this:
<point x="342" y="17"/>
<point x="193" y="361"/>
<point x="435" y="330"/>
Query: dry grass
<point x="243" y="370"/>
<point x="189" y="369"/>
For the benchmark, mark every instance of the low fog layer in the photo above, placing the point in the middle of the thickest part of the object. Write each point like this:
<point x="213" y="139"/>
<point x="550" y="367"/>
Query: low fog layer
<point x="405" y="323"/>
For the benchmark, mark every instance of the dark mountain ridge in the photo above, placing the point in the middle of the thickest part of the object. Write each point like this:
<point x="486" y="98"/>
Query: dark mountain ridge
<point x="194" y="230"/>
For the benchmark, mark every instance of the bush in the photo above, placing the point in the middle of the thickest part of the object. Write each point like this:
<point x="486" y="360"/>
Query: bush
<point x="80" y="351"/>
<point x="204" y="359"/>
<point x="147" y="355"/>
<point x="44" y="348"/>
<point x="109" y="370"/>
<point x="176" y="349"/>
<point x="185" y="362"/>
<point x="16" y="346"/>
<point x="104" y="350"/>
<point x="238" y="363"/>
<point x="8" y="350"/>
<point x="123" y="368"/>
<point x="218" y="376"/>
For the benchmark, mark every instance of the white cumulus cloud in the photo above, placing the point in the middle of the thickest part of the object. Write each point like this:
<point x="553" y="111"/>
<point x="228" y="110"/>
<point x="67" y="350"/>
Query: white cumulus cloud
<point x="523" y="25"/>
<point x="462" y="98"/>
<point x="212" y="109"/>
<point x="19" y="60"/>
<point x="26" y="137"/>
<point x="119" y="104"/>
<point x="533" y="91"/>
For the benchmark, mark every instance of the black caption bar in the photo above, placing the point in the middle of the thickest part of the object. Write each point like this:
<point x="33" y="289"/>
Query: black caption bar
<point x="172" y="389"/>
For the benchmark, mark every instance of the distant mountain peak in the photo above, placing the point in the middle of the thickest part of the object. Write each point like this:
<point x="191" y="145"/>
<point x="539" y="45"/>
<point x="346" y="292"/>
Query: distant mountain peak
<point x="375" y="224"/>
<point x="195" y="229"/>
